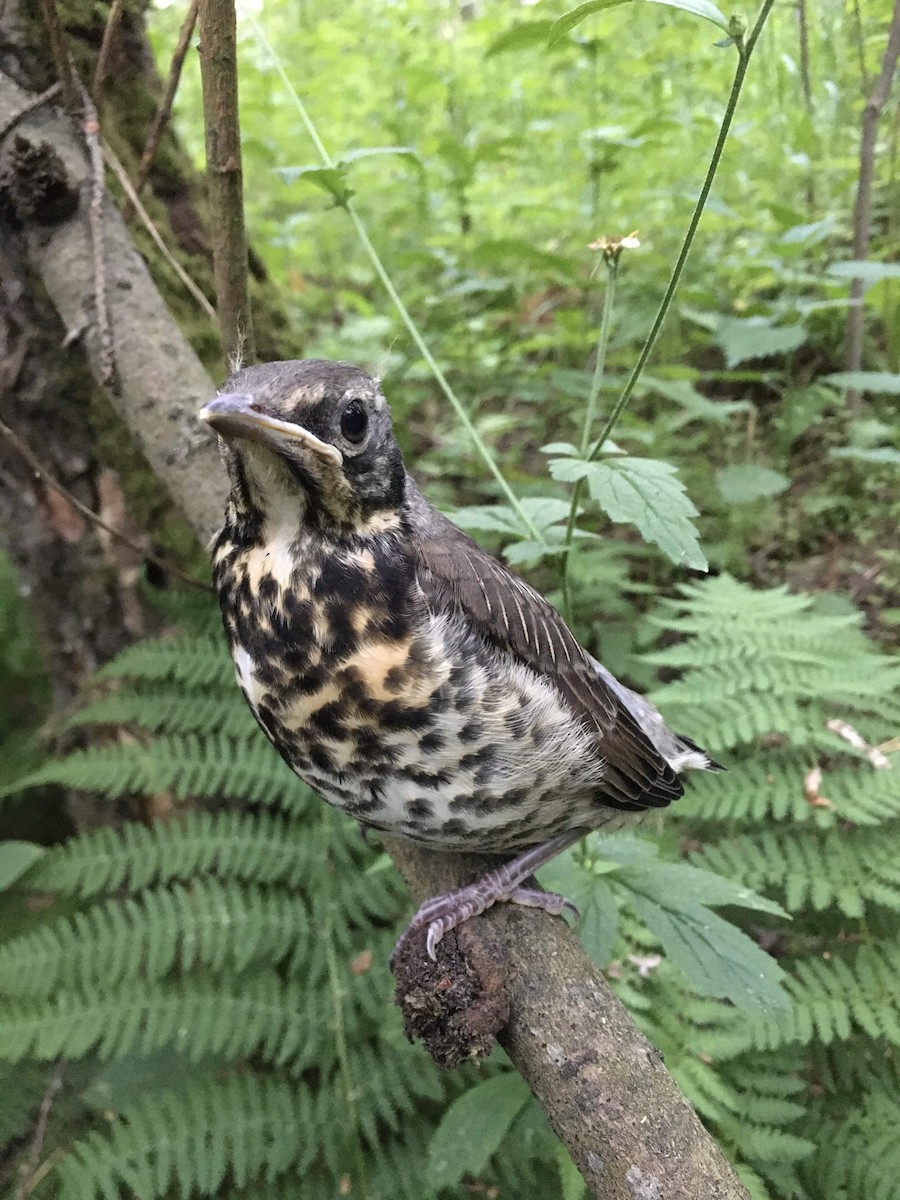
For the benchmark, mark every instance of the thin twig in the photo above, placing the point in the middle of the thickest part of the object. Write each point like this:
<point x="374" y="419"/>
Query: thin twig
<point x="90" y="127"/>
<point x="862" y="209"/>
<point x="135" y="202"/>
<point x="112" y="21"/>
<point x="40" y="1129"/>
<point x="29" y="106"/>
<point x="218" y="71"/>
<point x="60" y="52"/>
<point x="164" y="111"/>
<point x="24" y="450"/>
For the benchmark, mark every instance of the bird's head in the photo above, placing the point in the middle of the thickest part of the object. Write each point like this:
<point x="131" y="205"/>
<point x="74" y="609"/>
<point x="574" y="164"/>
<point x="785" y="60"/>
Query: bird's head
<point x="308" y="440"/>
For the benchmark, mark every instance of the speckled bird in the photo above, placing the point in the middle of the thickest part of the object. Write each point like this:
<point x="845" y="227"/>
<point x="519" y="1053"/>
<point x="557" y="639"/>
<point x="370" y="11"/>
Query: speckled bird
<point x="398" y="668"/>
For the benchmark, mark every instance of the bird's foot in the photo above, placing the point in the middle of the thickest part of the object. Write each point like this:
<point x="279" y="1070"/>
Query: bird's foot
<point x="442" y="913"/>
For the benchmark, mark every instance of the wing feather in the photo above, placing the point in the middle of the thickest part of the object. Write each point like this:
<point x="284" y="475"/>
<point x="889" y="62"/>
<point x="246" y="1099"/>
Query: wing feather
<point x="454" y="570"/>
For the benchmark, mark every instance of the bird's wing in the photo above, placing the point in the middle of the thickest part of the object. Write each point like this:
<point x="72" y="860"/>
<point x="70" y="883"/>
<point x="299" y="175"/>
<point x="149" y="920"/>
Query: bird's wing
<point x="456" y="572"/>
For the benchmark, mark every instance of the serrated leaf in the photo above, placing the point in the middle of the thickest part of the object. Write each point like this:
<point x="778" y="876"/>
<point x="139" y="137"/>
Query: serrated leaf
<point x="520" y="37"/>
<point x="329" y="179"/>
<point x="697" y="8"/>
<point x="746" y="482"/>
<point x="881" y="383"/>
<point x="15" y="859"/>
<point x="745" y="338"/>
<point x="677" y="883"/>
<point x="594" y="899"/>
<point x="473" y="1128"/>
<point x="642" y="492"/>
<point x="717" y="958"/>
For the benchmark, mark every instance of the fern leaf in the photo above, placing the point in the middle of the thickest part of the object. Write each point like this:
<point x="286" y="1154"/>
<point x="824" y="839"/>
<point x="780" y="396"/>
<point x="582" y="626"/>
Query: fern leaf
<point x="209" y="924"/>
<point x="230" y="845"/>
<point x="250" y="1127"/>
<point x="192" y="662"/>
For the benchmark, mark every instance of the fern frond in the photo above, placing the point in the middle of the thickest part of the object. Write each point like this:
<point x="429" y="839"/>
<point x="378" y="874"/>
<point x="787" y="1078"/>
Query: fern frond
<point x="771" y="785"/>
<point x="230" y="845"/>
<point x="197" y="1017"/>
<point x="164" y="709"/>
<point x="817" y="870"/>
<point x="833" y="998"/>
<point x="190" y="767"/>
<point x="207" y="924"/>
<point x="858" y="1154"/>
<point x="250" y="1127"/>
<point x="192" y="662"/>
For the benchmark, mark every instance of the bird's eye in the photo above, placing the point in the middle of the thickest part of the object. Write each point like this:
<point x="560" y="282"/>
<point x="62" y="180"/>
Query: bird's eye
<point x="354" y="422"/>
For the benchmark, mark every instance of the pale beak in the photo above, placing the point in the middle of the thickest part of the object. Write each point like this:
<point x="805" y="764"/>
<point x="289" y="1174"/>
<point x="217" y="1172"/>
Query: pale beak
<point x="239" y="416"/>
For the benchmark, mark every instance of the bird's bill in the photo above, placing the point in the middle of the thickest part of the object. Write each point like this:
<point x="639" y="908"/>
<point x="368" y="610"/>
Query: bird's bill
<point x="239" y="416"/>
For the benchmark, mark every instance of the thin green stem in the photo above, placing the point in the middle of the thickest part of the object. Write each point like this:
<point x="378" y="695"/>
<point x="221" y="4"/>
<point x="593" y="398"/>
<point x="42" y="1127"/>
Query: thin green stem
<point x="609" y="300"/>
<point x="590" y="413"/>
<point x="411" y="327"/>
<point x="745" y="49"/>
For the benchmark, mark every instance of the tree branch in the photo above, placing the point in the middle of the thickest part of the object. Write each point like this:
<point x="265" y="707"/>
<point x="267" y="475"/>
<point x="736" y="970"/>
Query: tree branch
<point x="602" y="1085"/>
<point x="218" y="68"/>
<point x="862" y="211"/>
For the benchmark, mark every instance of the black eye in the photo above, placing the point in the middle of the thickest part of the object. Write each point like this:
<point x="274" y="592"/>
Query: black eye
<point x="354" y="422"/>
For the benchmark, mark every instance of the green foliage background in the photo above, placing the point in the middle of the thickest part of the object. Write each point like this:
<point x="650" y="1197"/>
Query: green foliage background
<point x="212" y="990"/>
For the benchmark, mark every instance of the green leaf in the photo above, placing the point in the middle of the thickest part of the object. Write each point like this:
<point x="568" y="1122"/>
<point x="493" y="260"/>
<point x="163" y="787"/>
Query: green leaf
<point x="332" y="180"/>
<point x="881" y="383"/>
<point x="473" y="1128"/>
<point x="875" y="454"/>
<point x="572" y="1183"/>
<point x="594" y="899"/>
<point x="681" y="883"/>
<point x="745" y="482"/>
<point x="717" y="958"/>
<point x="570" y="19"/>
<point x="15" y="859"/>
<point x="869" y="272"/>
<point x="642" y="492"/>
<point x="520" y="37"/>
<point x="747" y="338"/>
<point x="698" y="8"/>
<point x="352" y="156"/>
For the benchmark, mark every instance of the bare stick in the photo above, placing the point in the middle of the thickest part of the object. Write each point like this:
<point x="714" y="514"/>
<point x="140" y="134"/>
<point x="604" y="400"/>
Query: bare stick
<point x="112" y="21"/>
<point x="164" y="111"/>
<point x="40" y="472"/>
<point x="40" y="1129"/>
<point x="218" y="68"/>
<point x="862" y="211"/>
<point x="60" y="53"/>
<point x="135" y="204"/>
<point x="90" y="127"/>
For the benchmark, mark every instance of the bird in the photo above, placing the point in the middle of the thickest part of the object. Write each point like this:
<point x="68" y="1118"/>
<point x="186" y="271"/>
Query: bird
<point x="401" y="670"/>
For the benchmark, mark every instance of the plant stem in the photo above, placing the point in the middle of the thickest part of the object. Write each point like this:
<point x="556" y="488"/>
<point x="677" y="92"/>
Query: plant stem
<point x="609" y="299"/>
<point x="600" y="364"/>
<point x="745" y="50"/>
<point x="411" y="327"/>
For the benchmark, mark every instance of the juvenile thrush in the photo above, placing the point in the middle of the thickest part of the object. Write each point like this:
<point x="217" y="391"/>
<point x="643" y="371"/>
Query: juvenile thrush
<point x="398" y="668"/>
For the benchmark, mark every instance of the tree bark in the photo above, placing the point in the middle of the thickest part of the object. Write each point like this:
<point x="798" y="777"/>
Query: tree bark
<point x="609" y="1098"/>
<point x="862" y="211"/>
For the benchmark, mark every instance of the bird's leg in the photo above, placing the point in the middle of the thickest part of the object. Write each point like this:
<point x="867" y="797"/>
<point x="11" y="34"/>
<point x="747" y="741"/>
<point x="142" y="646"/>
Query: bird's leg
<point x="443" y="913"/>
